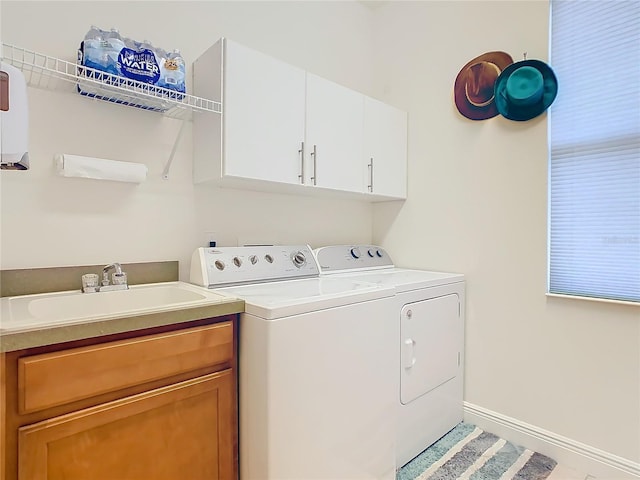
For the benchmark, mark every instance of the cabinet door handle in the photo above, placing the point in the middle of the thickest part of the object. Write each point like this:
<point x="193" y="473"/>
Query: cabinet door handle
<point x="314" y="155"/>
<point x="370" y="186"/>
<point x="301" y="152"/>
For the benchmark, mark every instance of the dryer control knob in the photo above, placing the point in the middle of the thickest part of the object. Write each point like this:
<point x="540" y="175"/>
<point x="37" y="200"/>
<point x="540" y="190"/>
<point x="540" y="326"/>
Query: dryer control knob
<point x="253" y="259"/>
<point x="219" y="264"/>
<point x="355" y="252"/>
<point x="298" y="258"/>
<point x="268" y="258"/>
<point x="237" y="261"/>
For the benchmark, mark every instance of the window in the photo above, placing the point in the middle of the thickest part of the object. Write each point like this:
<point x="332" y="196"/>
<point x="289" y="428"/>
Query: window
<point x="594" y="131"/>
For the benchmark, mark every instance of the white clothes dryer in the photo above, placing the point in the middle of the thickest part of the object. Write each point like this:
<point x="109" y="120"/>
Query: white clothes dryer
<point x="430" y="310"/>
<point x="316" y="369"/>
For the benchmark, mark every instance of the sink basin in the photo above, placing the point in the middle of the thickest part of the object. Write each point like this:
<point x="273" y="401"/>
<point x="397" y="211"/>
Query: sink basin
<point x="36" y="311"/>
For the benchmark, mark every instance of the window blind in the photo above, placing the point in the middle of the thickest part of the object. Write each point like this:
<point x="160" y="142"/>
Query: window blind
<point x="594" y="132"/>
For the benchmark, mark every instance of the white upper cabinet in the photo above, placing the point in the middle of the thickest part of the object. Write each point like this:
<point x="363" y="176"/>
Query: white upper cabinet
<point x="385" y="149"/>
<point x="284" y="129"/>
<point x="334" y="135"/>
<point x="263" y="115"/>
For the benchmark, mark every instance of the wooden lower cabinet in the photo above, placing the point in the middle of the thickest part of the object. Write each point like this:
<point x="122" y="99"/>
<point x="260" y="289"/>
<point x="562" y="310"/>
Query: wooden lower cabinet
<point x="183" y="426"/>
<point x="177" y="432"/>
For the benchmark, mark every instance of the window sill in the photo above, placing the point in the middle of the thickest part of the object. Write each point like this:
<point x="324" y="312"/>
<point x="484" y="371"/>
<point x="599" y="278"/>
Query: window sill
<point x="594" y="299"/>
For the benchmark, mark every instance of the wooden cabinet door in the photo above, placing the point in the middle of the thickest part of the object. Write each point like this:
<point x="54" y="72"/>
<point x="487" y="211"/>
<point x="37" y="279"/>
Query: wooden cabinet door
<point x="185" y="430"/>
<point x="264" y="112"/>
<point x="385" y="131"/>
<point x="335" y="128"/>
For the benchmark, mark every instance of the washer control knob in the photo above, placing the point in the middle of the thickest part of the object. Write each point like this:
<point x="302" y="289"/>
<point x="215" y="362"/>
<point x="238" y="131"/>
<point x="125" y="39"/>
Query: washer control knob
<point x="219" y="264"/>
<point x="237" y="261"/>
<point x="253" y="259"/>
<point x="379" y="253"/>
<point x="299" y="259"/>
<point x="269" y="258"/>
<point x="371" y="253"/>
<point x="355" y="252"/>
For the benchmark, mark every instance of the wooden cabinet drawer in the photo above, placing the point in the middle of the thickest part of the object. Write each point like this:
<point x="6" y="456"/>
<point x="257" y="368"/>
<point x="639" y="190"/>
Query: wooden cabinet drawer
<point x="57" y="378"/>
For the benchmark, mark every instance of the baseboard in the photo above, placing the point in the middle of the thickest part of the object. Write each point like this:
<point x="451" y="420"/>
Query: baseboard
<point x="570" y="453"/>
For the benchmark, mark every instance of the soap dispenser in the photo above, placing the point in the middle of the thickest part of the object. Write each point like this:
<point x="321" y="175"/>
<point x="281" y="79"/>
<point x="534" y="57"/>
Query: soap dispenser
<point x="14" y="119"/>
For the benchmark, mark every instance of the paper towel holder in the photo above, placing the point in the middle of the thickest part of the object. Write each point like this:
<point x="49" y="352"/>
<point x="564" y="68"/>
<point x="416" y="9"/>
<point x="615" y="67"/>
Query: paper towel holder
<point x="14" y="151"/>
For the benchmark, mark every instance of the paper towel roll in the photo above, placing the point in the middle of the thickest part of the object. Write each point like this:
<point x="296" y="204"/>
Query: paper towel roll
<point x="99" y="168"/>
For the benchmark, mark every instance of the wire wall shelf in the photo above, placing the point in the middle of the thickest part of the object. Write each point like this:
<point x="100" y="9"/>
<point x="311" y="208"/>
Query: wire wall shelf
<point x="51" y="73"/>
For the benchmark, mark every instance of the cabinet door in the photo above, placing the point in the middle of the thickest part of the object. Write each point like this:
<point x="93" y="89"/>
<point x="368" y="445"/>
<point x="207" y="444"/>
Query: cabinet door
<point x="185" y="430"/>
<point x="335" y="135"/>
<point x="263" y="116"/>
<point x="385" y="143"/>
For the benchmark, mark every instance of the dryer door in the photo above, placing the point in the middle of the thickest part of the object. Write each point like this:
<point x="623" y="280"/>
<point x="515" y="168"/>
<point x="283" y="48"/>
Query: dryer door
<point x="432" y="338"/>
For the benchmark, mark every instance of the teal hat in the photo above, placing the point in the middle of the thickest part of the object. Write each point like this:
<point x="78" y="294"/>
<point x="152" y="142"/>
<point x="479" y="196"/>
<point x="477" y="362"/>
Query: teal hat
<point x="525" y="89"/>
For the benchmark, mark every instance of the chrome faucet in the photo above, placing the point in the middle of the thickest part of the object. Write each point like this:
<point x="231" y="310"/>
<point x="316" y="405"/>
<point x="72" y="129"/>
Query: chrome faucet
<point x="119" y="278"/>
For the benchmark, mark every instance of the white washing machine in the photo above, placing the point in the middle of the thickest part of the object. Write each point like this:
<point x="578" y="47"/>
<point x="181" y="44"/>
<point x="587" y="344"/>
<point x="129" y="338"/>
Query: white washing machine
<point x="316" y="369"/>
<point x="429" y="308"/>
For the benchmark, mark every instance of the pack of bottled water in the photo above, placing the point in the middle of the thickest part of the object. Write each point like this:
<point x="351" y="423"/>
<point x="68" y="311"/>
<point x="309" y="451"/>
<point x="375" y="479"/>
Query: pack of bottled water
<point x="108" y="51"/>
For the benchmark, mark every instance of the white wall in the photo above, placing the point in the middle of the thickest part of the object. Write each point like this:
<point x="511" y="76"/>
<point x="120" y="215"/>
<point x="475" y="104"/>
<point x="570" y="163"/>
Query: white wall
<point x="478" y="204"/>
<point x="53" y="221"/>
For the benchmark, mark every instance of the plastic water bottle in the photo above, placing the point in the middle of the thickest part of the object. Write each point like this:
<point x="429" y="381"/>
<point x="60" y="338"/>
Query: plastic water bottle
<point x="114" y="45"/>
<point x="93" y="32"/>
<point x="157" y="52"/>
<point x="144" y="45"/>
<point x="93" y="49"/>
<point x="174" y="71"/>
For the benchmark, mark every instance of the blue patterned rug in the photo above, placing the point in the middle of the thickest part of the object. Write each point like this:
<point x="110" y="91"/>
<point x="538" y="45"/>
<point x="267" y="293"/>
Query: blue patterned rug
<point x="469" y="453"/>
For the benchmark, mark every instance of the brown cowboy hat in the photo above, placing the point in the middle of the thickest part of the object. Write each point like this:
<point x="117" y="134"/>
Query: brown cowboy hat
<point x="473" y="89"/>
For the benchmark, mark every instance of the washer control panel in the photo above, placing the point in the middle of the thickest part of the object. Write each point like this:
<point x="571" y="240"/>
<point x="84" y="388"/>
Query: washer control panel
<point x="336" y="258"/>
<point x="221" y="266"/>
